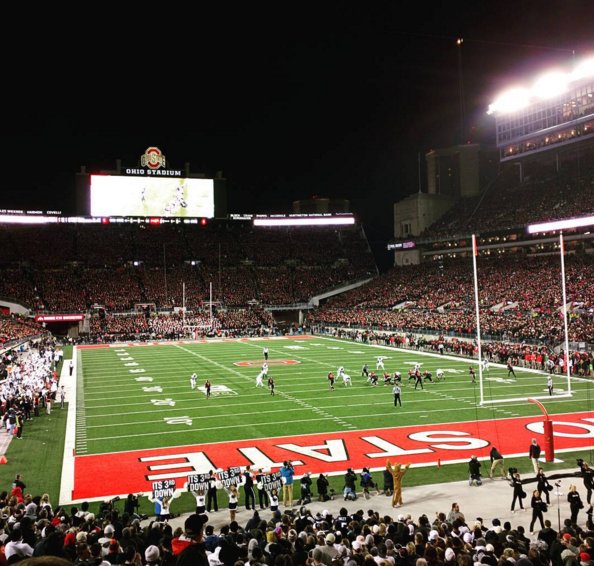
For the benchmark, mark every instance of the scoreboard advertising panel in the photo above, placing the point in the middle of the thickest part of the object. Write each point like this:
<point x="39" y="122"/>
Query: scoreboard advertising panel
<point x="115" y="195"/>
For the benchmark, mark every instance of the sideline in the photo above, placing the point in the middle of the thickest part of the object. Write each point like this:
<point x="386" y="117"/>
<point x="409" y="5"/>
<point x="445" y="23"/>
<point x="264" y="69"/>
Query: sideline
<point x="69" y="383"/>
<point x="491" y="500"/>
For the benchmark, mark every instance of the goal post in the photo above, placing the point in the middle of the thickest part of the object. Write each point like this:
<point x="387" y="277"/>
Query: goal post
<point x="483" y="399"/>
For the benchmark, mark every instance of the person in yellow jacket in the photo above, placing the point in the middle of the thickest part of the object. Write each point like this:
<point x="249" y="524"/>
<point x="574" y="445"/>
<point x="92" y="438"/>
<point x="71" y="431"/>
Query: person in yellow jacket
<point x="397" y="471"/>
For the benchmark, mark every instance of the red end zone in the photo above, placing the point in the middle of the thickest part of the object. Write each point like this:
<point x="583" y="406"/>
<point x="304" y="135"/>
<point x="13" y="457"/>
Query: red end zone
<point x="133" y="472"/>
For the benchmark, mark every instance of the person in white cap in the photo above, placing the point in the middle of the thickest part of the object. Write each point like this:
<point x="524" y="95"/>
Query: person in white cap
<point x="152" y="555"/>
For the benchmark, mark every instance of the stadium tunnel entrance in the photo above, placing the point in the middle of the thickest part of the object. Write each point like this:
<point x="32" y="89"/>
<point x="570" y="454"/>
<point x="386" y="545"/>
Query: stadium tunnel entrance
<point x="286" y="319"/>
<point x="63" y="328"/>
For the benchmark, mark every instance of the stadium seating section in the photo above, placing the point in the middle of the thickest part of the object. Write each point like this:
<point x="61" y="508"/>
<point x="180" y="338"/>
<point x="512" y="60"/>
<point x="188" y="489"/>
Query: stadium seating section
<point x="118" y="266"/>
<point x="543" y="196"/>
<point x="520" y="298"/>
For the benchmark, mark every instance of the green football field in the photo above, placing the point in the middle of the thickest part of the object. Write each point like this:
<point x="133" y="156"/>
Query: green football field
<point x="119" y="417"/>
<point x="131" y="407"/>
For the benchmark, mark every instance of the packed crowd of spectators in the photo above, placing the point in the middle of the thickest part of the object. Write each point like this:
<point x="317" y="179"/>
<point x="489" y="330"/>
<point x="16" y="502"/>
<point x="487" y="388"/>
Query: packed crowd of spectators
<point x="225" y="323"/>
<point x="295" y="537"/>
<point x="544" y="195"/>
<point x="16" y="328"/>
<point x="519" y="297"/>
<point x="29" y="384"/>
<point x="118" y="265"/>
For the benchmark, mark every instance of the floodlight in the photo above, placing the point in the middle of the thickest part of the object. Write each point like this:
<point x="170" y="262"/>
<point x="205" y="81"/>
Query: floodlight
<point x="511" y="100"/>
<point x="584" y="69"/>
<point x="549" y="85"/>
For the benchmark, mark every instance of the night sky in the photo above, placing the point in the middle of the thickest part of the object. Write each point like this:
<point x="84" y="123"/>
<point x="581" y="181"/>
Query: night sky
<point x="333" y="99"/>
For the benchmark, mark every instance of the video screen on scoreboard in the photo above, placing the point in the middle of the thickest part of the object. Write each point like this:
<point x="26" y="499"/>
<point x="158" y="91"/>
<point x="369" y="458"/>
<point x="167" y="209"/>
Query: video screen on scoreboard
<point x="151" y="196"/>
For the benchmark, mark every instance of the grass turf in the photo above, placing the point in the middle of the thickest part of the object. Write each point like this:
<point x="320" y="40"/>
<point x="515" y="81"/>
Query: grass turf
<point x="115" y="401"/>
<point x="123" y="413"/>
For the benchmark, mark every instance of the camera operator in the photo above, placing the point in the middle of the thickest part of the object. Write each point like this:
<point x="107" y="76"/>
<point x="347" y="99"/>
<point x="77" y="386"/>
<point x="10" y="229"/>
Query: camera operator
<point x="287" y="473"/>
<point x="107" y="506"/>
<point x="131" y="505"/>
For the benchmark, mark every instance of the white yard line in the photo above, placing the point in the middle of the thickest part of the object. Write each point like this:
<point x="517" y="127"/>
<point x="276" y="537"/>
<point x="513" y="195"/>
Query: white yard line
<point x="281" y="393"/>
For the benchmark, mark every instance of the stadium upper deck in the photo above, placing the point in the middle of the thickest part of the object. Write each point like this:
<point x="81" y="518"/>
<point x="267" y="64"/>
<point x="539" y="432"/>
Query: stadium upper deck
<point x="557" y="110"/>
<point x="117" y="266"/>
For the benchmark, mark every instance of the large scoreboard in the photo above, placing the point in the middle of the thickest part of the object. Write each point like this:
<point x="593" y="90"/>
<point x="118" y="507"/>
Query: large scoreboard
<point x="112" y="195"/>
<point x="151" y="189"/>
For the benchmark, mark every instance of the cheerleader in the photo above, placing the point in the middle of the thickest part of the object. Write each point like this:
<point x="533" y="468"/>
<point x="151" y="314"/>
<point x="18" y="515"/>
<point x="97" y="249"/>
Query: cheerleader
<point x="273" y="501"/>
<point x="233" y="497"/>
<point x="575" y="503"/>
<point x="538" y="506"/>
<point x="200" y="502"/>
<point x="165" y="510"/>
<point x="543" y="485"/>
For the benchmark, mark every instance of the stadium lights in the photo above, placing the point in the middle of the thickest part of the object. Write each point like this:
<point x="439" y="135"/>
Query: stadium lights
<point x="561" y="224"/>
<point x="9" y="219"/>
<point x="304" y="221"/>
<point x="549" y="85"/>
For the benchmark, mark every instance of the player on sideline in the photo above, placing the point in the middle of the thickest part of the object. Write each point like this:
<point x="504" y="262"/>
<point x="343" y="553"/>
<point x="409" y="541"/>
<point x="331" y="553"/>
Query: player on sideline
<point x="266" y="354"/>
<point x="193" y="379"/>
<point x="331" y="380"/>
<point x="439" y="374"/>
<point x="271" y="385"/>
<point x="365" y="371"/>
<point x="472" y="372"/>
<point x="346" y="379"/>
<point x="207" y="387"/>
<point x="510" y="369"/>
<point x="486" y="365"/>
<point x="259" y="382"/>
<point x="380" y="363"/>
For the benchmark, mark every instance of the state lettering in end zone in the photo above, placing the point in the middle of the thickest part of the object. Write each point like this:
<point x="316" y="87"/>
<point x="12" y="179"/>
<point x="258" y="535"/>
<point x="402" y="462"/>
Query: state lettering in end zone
<point x="332" y="453"/>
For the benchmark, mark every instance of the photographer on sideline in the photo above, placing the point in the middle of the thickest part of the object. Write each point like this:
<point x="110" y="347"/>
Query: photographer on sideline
<point x="131" y="505"/>
<point x="287" y="473"/>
